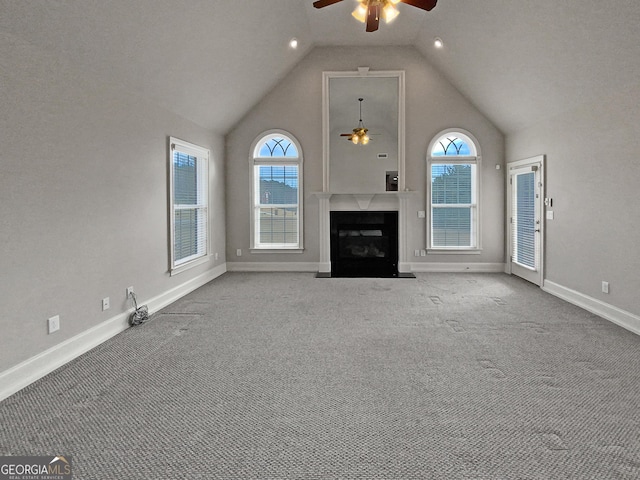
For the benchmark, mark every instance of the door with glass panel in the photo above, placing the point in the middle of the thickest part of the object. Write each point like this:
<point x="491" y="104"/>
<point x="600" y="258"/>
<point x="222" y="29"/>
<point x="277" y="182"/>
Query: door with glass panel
<point x="525" y="221"/>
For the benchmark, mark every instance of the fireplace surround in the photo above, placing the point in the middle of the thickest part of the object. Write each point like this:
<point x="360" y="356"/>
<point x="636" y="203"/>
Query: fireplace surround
<point x="364" y="243"/>
<point x="329" y="202"/>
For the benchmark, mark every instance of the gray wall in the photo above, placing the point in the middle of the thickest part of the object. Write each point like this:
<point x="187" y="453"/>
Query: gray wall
<point x="432" y="105"/>
<point x="593" y="174"/>
<point x="83" y="199"/>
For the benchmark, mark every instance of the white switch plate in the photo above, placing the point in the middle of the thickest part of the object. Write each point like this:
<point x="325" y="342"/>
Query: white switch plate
<point x="605" y="287"/>
<point x="54" y="324"/>
<point x="105" y="304"/>
<point x="549" y="214"/>
<point x="421" y="214"/>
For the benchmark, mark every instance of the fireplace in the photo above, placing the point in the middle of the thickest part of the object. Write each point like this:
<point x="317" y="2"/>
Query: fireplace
<point x="364" y="243"/>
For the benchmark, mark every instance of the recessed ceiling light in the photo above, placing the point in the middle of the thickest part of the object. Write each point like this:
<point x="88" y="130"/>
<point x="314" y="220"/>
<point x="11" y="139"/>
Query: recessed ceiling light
<point x="293" y="43"/>
<point x="438" y="43"/>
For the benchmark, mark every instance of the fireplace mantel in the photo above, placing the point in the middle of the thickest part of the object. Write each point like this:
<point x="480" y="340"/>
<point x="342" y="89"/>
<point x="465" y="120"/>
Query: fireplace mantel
<point x="334" y="201"/>
<point x="364" y="199"/>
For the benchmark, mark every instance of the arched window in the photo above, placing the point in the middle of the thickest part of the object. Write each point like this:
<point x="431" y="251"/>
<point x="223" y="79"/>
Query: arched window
<point x="276" y="192"/>
<point x="452" y="201"/>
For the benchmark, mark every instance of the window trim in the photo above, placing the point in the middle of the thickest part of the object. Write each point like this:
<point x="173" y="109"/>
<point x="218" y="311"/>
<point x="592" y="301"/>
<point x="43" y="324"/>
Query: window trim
<point x="476" y="189"/>
<point x="255" y="160"/>
<point x="203" y="156"/>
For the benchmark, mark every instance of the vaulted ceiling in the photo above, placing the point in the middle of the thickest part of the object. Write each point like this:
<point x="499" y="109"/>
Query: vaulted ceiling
<point x="518" y="61"/>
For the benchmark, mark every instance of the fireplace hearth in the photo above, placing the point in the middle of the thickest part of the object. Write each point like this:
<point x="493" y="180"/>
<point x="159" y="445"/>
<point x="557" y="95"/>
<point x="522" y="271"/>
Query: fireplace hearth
<point x="364" y="243"/>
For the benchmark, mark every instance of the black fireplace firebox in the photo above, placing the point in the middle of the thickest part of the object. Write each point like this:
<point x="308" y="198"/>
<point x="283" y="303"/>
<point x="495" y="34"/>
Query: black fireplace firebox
<point x="364" y="244"/>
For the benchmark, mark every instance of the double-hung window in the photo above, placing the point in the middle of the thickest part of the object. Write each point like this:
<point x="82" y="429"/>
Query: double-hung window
<point x="276" y="193"/>
<point x="453" y="165"/>
<point x="189" y="203"/>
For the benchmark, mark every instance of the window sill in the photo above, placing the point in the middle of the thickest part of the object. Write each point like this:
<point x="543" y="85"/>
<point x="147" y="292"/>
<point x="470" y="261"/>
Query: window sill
<point x="187" y="265"/>
<point x="276" y="250"/>
<point x="451" y="251"/>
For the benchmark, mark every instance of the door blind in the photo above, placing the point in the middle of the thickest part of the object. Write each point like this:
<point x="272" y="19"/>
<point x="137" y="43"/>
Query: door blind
<point x="524" y="220"/>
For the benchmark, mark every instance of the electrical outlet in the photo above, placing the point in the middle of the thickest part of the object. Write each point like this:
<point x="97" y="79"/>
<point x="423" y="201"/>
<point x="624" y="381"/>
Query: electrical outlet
<point x="54" y="324"/>
<point x="605" y="287"/>
<point x="129" y="291"/>
<point x="215" y="256"/>
<point x="105" y="304"/>
<point x="239" y="252"/>
<point x="416" y="253"/>
<point x="423" y="253"/>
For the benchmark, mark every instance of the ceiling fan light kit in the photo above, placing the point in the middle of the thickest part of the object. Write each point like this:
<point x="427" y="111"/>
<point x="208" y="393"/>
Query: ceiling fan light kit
<point x="373" y="7"/>
<point x="360" y="13"/>
<point x="359" y="135"/>
<point x="369" y="11"/>
<point x="389" y="11"/>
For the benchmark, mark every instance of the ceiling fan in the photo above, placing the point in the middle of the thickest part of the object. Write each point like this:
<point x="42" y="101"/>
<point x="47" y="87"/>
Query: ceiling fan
<point x="359" y="134"/>
<point x="369" y="11"/>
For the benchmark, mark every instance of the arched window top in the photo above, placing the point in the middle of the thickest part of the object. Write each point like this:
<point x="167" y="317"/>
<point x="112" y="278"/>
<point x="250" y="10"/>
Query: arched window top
<point x="276" y="145"/>
<point x="453" y="144"/>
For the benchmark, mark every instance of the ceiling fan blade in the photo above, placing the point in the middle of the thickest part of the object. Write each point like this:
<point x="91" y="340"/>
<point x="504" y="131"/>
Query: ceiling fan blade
<point x="423" y="4"/>
<point x="373" y="18"/>
<point x="325" y="3"/>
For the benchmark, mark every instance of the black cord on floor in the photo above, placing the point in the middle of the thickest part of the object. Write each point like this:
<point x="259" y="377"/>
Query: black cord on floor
<point x="140" y="315"/>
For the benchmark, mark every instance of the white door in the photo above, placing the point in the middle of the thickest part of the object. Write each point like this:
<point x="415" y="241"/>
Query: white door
<point x="525" y="219"/>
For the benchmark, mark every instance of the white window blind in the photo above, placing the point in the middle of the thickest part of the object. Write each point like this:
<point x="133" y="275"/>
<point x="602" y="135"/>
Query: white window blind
<point x="452" y="205"/>
<point x="277" y="205"/>
<point x="524" y="228"/>
<point x="189" y="205"/>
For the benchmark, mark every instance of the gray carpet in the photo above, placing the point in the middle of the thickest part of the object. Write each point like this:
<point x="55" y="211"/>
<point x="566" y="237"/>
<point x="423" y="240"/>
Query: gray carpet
<point x="286" y="376"/>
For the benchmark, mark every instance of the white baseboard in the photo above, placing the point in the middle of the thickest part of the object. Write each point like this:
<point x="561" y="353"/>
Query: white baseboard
<point x="34" y="368"/>
<point x="273" y="266"/>
<point x="324" y="267"/>
<point x="167" y="298"/>
<point x="19" y="376"/>
<point x="419" y="267"/>
<point x="405" y="267"/>
<point x="614" y="314"/>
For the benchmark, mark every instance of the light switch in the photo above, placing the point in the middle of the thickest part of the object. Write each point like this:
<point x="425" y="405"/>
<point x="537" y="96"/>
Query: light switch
<point x="549" y="214"/>
<point x="421" y="214"/>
